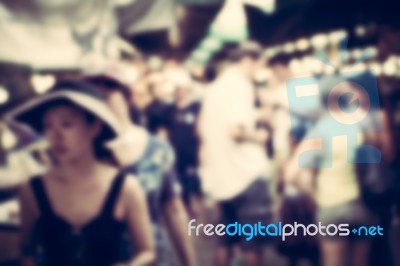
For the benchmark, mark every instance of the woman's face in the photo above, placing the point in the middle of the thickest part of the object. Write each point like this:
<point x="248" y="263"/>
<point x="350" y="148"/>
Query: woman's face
<point x="69" y="133"/>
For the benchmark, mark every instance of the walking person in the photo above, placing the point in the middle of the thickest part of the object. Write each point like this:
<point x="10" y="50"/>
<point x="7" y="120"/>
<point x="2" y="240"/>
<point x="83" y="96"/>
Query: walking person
<point x="331" y="149"/>
<point x="181" y="130"/>
<point x="233" y="162"/>
<point x="148" y="111"/>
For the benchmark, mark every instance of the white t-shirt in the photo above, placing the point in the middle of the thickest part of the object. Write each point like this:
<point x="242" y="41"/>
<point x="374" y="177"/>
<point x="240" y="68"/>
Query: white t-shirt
<point x="229" y="167"/>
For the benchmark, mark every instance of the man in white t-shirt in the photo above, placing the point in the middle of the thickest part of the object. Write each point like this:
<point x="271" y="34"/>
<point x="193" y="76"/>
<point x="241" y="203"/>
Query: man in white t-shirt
<point x="233" y="161"/>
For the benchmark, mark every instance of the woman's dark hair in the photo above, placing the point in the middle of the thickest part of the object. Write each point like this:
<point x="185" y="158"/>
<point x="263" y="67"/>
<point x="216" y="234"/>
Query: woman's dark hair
<point x="247" y="49"/>
<point x="279" y="59"/>
<point x="99" y="149"/>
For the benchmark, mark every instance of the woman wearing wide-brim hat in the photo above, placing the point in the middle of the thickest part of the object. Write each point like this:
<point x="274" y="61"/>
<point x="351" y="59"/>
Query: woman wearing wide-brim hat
<point x="78" y="213"/>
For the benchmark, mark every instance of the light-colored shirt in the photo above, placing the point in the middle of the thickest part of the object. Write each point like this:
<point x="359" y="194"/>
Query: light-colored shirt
<point x="337" y="181"/>
<point x="21" y="166"/>
<point x="228" y="167"/>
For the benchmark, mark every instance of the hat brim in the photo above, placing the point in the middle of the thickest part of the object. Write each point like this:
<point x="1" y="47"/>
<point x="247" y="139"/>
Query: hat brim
<point x="31" y="113"/>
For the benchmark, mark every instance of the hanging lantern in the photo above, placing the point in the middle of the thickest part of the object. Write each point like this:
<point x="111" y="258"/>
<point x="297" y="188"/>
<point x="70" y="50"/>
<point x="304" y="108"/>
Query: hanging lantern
<point x="231" y="23"/>
<point x="42" y="83"/>
<point x="4" y="95"/>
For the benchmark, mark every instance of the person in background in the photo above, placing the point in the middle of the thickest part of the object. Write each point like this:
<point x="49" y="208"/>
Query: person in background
<point x="23" y="154"/>
<point x="141" y="99"/>
<point x="151" y="159"/>
<point x="147" y="110"/>
<point x="274" y="102"/>
<point x="288" y="125"/>
<point x="23" y="164"/>
<point x="234" y="166"/>
<point x="181" y="130"/>
<point x="383" y="177"/>
<point x="57" y="229"/>
<point x="336" y="190"/>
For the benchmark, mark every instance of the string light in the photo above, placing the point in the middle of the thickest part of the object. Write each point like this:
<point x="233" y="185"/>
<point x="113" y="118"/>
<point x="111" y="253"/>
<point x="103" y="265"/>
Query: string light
<point x="302" y="44"/>
<point x="360" y="30"/>
<point x="270" y="52"/>
<point x="8" y="139"/>
<point x="389" y="67"/>
<point x="319" y="40"/>
<point x="337" y="36"/>
<point x="289" y="47"/>
<point x="4" y="95"/>
<point x="42" y="83"/>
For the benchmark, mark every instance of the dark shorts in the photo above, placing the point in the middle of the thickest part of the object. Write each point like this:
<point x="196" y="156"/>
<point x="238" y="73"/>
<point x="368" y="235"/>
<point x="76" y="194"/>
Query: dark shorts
<point x="250" y="207"/>
<point x="190" y="182"/>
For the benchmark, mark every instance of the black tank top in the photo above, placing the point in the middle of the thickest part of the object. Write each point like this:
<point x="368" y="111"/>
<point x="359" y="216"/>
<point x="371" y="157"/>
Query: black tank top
<point x="99" y="243"/>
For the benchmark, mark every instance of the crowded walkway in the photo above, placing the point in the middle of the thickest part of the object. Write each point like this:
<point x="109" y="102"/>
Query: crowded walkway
<point x="236" y="150"/>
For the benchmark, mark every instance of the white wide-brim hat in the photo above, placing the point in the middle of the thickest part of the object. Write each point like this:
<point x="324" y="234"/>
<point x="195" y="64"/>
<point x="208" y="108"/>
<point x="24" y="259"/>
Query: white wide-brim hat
<point x="79" y="93"/>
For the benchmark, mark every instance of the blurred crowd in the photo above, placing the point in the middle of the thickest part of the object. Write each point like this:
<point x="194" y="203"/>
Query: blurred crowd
<point x="99" y="153"/>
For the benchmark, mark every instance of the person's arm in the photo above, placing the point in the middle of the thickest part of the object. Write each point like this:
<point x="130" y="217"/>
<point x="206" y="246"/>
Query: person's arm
<point x="28" y="216"/>
<point x="138" y="219"/>
<point x="386" y="138"/>
<point x="240" y="134"/>
<point x="293" y="168"/>
<point x="177" y="221"/>
<point x="282" y="139"/>
<point x="383" y="138"/>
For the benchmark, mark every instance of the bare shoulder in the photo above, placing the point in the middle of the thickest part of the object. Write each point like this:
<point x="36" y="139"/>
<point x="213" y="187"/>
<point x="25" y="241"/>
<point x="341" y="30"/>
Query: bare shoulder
<point x="27" y="198"/>
<point x="25" y="190"/>
<point x="133" y="197"/>
<point x="132" y="190"/>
